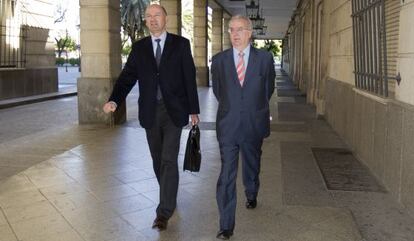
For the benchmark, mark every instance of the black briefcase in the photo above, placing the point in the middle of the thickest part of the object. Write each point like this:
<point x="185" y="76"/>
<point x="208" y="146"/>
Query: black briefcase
<point x="192" y="158"/>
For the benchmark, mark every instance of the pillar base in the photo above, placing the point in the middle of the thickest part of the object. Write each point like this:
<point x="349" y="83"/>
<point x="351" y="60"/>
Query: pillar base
<point x="320" y="107"/>
<point x="202" y="76"/>
<point x="93" y="93"/>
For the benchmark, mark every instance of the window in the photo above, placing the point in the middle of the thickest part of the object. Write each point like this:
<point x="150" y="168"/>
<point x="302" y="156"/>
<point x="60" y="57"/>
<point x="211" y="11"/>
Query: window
<point x="370" y="47"/>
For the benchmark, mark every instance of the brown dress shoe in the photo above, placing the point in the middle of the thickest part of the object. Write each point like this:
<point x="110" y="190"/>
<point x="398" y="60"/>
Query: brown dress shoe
<point x="160" y="223"/>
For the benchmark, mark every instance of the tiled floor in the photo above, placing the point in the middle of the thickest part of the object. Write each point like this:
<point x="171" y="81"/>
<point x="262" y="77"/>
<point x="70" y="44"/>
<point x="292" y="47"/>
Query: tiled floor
<point x="94" y="183"/>
<point x="105" y="190"/>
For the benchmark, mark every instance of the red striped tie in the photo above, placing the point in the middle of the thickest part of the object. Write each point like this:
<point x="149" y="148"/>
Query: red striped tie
<point x="241" y="68"/>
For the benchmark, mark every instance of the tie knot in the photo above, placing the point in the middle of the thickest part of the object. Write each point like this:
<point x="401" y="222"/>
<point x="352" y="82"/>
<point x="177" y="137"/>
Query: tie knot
<point x="158" y="40"/>
<point x="241" y="54"/>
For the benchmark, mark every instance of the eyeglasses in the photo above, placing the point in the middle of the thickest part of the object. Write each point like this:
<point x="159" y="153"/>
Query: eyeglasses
<point x="153" y="16"/>
<point x="237" y="30"/>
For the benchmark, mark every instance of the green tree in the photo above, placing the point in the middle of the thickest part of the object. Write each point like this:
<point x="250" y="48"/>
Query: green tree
<point x="64" y="43"/>
<point x="188" y="24"/>
<point x="272" y="47"/>
<point x="133" y="19"/>
<point x="60" y="13"/>
<point x="126" y="49"/>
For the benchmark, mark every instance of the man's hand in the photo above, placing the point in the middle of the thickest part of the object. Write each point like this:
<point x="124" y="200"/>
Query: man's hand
<point x="109" y="107"/>
<point x="194" y="119"/>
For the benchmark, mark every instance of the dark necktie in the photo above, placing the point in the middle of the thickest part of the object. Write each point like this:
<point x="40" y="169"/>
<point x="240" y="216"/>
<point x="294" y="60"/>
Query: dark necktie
<point x="158" y="52"/>
<point x="158" y="60"/>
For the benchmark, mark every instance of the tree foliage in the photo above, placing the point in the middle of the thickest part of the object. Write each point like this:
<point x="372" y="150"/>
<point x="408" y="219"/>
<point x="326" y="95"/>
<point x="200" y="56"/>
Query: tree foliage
<point x="272" y="47"/>
<point x="60" y="13"/>
<point x="133" y="19"/>
<point x="65" y="43"/>
<point x="188" y="24"/>
<point x="126" y="49"/>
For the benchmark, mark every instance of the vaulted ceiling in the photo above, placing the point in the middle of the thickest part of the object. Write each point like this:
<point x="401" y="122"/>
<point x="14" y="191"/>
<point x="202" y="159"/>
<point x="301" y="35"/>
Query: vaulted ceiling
<point x="277" y="14"/>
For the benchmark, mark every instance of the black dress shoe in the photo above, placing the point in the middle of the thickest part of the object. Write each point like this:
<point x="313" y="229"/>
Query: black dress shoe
<point x="250" y="204"/>
<point x="224" y="234"/>
<point x="160" y="223"/>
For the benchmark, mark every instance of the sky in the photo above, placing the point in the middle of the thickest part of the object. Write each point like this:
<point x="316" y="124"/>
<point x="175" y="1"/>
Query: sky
<point x="71" y="18"/>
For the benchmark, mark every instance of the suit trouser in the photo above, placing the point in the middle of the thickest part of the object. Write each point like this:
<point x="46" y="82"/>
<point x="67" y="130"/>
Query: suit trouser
<point x="226" y="185"/>
<point x="164" y="143"/>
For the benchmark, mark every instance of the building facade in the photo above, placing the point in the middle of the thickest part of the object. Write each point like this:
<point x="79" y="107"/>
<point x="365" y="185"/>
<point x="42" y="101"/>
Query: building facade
<point x="27" y="59"/>
<point x="353" y="59"/>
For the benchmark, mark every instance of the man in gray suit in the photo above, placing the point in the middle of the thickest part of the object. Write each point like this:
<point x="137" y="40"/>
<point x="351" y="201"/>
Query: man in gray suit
<point x="243" y="82"/>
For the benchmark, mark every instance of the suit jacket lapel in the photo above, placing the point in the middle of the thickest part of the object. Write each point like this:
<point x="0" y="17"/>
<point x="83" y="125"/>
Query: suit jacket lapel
<point x="232" y="69"/>
<point x="168" y="49"/>
<point x="149" y="52"/>
<point x="251" y="65"/>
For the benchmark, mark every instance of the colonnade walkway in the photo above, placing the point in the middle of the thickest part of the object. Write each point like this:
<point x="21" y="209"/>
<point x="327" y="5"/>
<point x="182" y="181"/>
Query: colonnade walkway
<point x="63" y="182"/>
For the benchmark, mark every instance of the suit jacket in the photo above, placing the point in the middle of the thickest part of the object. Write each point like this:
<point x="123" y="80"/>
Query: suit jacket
<point x="243" y="112"/>
<point x="175" y="75"/>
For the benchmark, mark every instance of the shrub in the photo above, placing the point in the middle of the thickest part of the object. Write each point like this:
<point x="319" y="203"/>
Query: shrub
<point x="74" y="61"/>
<point x="60" y="61"/>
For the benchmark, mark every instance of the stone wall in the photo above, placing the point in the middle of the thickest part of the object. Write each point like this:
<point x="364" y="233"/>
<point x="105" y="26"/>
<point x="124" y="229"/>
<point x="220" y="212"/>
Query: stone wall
<point x="25" y="82"/>
<point x="379" y="130"/>
<point x="37" y="74"/>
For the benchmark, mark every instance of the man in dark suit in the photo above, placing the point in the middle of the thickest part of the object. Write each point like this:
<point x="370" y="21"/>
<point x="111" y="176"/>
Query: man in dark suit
<point x="163" y="65"/>
<point x="243" y="82"/>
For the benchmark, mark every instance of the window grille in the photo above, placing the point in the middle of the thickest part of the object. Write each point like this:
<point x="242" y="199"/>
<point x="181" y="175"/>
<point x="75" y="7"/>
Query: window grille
<point x="370" y="47"/>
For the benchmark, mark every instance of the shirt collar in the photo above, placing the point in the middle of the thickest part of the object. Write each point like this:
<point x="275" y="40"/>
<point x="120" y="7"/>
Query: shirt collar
<point x="163" y="36"/>
<point x="246" y="51"/>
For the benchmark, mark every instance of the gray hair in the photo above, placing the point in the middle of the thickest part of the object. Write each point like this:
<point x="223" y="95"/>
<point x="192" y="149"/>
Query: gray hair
<point x="244" y="18"/>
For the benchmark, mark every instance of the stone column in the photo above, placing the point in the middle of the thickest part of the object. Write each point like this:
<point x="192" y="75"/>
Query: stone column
<point x="173" y="8"/>
<point x="101" y="60"/>
<point x="217" y="30"/>
<point x="200" y="41"/>
<point x="226" y="36"/>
